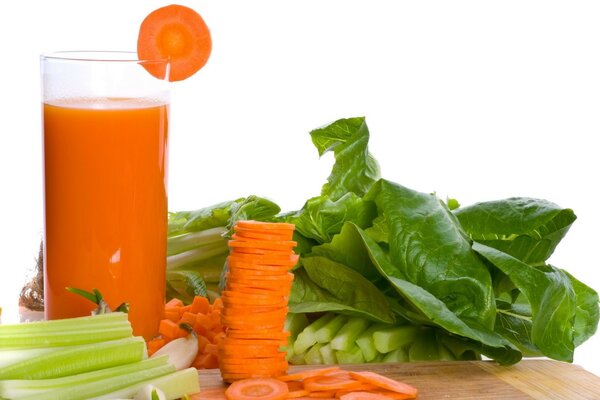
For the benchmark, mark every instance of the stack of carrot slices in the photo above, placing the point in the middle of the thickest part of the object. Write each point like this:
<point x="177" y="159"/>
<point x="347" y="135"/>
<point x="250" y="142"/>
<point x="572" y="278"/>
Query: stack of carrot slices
<point x="255" y="299"/>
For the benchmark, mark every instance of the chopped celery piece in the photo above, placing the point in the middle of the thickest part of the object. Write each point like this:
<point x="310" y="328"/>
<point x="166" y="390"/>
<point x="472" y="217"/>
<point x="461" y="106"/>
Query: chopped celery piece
<point x="398" y="355"/>
<point x="306" y="338"/>
<point x="62" y="324"/>
<point x="12" y="356"/>
<point x="24" y="387"/>
<point x="174" y="386"/>
<point x="424" y="347"/>
<point x="295" y="323"/>
<point x="100" y="387"/>
<point x="330" y="329"/>
<point x="67" y="337"/>
<point x="351" y="356"/>
<point x="390" y="339"/>
<point x="297" y="359"/>
<point x="328" y="354"/>
<point x="71" y="360"/>
<point x="200" y="239"/>
<point x="344" y="339"/>
<point x="366" y="343"/>
<point x="313" y="355"/>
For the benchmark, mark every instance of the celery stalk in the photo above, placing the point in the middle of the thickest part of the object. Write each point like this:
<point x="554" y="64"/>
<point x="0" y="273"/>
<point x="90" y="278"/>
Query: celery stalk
<point x="330" y="329"/>
<point x="346" y="336"/>
<point x="174" y="386"/>
<point x="97" y="387"/>
<point x="71" y="360"/>
<point x="390" y="339"/>
<point x="16" y="389"/>
<point x="306" y="338"/>
<point x="328" y="354"/>
<point x="313" y="355"/>
<point x="63" y="324"/>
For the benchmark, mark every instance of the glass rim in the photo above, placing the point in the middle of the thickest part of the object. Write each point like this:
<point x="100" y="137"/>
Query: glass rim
<point x="99" y="56"/>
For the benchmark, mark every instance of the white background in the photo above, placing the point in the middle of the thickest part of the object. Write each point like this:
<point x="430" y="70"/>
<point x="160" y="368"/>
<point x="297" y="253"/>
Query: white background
<point x="477" y="100"/>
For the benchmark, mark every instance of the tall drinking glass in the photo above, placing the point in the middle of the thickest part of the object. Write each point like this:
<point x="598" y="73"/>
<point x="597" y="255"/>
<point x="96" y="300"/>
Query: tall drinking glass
<point x="105" y="127"/>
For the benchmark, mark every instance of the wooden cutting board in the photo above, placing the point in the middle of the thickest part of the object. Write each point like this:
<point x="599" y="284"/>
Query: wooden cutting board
<point x="529" y="379"/>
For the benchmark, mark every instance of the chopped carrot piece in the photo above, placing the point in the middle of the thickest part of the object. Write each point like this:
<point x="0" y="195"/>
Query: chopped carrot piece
<point x="331" y="382"/>
<point x="200" y="305"/>
<point x="154" y="344"/>
<point x="383" y="382"/>
<point x="363" y="396"/>
<point x="172" y="314"/>
<point x="298" y="376"/>
<point x="174" y="303"/>
<point x="170" y="329"/>
<point x="188" y="318"/>
<point x="257" y="388"/>
<point x="176" y="33"/>
<point x="202" y="342"/>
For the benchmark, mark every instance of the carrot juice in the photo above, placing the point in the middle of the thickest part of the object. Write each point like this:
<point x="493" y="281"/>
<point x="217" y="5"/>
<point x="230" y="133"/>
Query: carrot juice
<point x="106" y="206"/>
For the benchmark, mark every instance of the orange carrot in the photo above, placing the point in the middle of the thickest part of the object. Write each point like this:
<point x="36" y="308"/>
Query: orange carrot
<point x="308" y="373"/>
<point x="170" y="330"/>
<point x="200" y="305"/>
<point x="257" y="389"/>
<point x="363" y="396"/>
<point x="176" y="33"/>
<point x="262" y="225"/>
<point x="383" y="382"/>
<point x="331" y="382"/>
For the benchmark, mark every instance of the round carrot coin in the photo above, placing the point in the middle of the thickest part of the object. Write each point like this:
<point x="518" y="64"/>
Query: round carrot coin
<point x="176" y="33"/>
<point x="252" y="389"/>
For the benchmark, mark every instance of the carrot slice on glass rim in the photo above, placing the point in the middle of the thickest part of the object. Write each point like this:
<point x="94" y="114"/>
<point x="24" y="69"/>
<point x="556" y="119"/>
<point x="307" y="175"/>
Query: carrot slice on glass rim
<point x="176" y="33"/>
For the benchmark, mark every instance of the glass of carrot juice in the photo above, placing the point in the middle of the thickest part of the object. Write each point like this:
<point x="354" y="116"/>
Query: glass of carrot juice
<point x="105" y="129"/>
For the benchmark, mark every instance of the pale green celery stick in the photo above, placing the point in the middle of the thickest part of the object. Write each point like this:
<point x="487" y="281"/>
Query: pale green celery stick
<point x="297" y="359"/>
<point x="328" y="354"/>
<point x="313" y="355"/>
<point x="12" y="356"/>
<point x="330" y="329"/>
<point x="72" y="360"/>
<point x="392" y="338"/>
<point x="398" y="355"/>
<point x="346" y="336"/>
<point x="187" y="241"/>
<point x="86" y="390"/>
<point x="366" y="343"/>
<point x="194" y="255"/>
<point x="21" y="387"/>
<point x="295" y="323"/>
<point x="75" y="336"/>
<point x="62" y="324"/>
<point x="424" y="347"/>
<point x="306" y="338"/>
<point x="174" y="386"/>
<point x="445" y="354"/>
<point x="351" y="356"/>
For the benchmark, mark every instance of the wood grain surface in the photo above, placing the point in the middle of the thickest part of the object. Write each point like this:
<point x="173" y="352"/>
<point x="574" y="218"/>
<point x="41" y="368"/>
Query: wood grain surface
<point x="529" y="379"/>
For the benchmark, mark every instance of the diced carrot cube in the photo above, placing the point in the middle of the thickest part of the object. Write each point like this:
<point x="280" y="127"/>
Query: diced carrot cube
<point x="188" y="318"/>
<point x="219" y="336"/>
<point x="154" y="344"/>
<point x="206" y="361"/>
<point x="217" y="304"/>
<point x="174" y="303"/>
<point x="202" y="342"/>
<point x="172" y="314"/>
<point x="170" y="329"/>
<point x="200" y="305"/>
<point x="205" y="321"/>
<point x="211" y="348"/>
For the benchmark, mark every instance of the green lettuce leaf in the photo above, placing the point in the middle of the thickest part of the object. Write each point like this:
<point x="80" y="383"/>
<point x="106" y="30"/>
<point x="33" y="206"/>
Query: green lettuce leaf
<point x="428" y="248"/>
<point x="355" y="170"/>
<point x="324" y="285"/>
<point x="552" y="299"/>
<point x="527" y="229"/>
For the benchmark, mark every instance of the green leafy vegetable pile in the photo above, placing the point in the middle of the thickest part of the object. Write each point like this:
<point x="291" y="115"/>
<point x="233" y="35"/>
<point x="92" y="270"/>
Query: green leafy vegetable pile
<point x="374" y="249"/>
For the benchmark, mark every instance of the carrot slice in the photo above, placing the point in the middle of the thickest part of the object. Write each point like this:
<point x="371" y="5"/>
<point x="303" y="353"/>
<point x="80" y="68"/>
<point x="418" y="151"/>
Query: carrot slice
<point x="273" y="234"/>
<point x="176" y="33"/>
<point x="282" y="246"/>
<point x="383" y="382"/>
<point x="262" y="225"/>
<point x="253" y="389"/>
<point x="298" y="376"/>
<point x="363" y="396"/>
<point x="216" y="393"/>
<point x="331" y="382"/>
